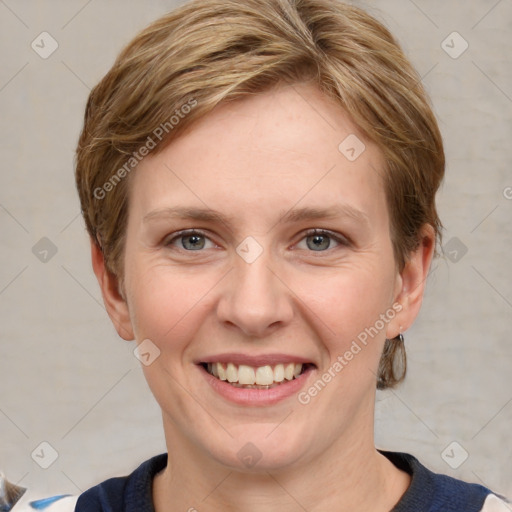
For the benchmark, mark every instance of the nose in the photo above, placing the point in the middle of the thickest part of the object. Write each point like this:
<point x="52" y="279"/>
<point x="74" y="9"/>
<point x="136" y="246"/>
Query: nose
<point x="254" y="299"/>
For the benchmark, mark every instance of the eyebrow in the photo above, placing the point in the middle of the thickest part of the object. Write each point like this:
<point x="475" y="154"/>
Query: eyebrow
<point x="294" y="215"/>
<point x="333" y="212"/>
<point x="181" y="212"/>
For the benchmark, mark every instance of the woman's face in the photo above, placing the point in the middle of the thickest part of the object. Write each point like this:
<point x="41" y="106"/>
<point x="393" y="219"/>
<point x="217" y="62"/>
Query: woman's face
<point x="255" y="287"/>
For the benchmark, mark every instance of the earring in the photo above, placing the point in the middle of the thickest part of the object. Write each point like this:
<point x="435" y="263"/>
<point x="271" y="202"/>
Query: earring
<point x="399" y="338"/>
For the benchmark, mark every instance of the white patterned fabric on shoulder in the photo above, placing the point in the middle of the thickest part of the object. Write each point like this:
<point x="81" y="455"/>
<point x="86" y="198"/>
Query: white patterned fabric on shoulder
<point x="18" y="499"/>
<point x="10" y="494"/>
<point x="62" y="503"/>
<point x="495" y="504"/>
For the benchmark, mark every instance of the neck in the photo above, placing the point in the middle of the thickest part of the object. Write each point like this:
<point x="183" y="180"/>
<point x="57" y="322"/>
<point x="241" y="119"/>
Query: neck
<point x="350" y="476"/>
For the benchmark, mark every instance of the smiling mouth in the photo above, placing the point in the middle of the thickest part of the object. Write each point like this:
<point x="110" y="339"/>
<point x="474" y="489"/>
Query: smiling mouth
<point x="261" y="377"/>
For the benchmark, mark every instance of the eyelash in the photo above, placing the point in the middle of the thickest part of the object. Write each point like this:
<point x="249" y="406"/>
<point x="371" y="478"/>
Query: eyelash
<point x="312" y="232"/>
<point x="341" y="240"/>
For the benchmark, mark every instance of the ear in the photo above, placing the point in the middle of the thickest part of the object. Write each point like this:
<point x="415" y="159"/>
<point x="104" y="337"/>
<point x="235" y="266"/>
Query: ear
<point x="115" y="303"/>
<point x="411" y="283"/>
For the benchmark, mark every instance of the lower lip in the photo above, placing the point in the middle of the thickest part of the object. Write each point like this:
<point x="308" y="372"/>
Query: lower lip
<point x="261" y="397"/>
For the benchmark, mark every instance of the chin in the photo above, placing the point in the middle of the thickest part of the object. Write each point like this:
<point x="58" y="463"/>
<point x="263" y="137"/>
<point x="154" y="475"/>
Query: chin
<point x="256" y="449"/>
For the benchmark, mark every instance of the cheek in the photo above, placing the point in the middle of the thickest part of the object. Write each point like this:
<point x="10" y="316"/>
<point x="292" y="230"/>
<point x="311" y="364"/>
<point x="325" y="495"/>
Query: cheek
<point x="348" y="305"/>
<point x="166" y="308"/>
<point x="164" y="302"/>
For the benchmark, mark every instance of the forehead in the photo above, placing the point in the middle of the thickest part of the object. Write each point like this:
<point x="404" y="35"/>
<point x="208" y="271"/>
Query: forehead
<point x="289" y="145"/>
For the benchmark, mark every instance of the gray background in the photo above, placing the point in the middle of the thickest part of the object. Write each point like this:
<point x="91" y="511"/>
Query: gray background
<point x="68" y="380"/>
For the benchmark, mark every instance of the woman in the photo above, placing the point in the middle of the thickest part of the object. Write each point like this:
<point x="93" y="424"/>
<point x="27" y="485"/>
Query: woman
<point x="258" y="180"/>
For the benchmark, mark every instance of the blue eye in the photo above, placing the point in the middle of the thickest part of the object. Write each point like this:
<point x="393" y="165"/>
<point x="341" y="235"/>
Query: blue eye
<point x="316" y="240"/>
<point x="319" y="240"/>
<point x="190" y="240"/>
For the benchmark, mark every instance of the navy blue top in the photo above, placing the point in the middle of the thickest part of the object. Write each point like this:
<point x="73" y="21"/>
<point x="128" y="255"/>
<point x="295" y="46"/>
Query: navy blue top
<point x="428" y="491"/>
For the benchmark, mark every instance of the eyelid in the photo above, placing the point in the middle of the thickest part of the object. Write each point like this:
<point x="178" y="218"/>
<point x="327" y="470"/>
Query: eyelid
<point x="186" y="232"/>
<point x="342" y="240"/>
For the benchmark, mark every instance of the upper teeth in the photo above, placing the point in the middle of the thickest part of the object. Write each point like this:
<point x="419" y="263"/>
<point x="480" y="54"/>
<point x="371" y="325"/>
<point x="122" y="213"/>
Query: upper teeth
<point x="262" y="375"/>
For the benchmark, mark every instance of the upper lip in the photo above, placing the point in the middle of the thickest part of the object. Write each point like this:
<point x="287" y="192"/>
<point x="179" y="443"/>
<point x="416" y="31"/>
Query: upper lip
<point x="255" y="361"/>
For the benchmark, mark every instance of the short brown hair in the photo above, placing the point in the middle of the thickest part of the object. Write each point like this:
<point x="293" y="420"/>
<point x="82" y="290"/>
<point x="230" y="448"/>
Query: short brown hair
<point x="212" y="51"/>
